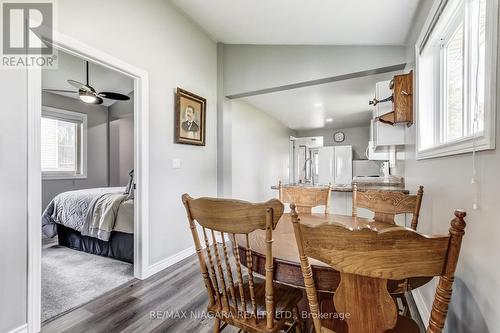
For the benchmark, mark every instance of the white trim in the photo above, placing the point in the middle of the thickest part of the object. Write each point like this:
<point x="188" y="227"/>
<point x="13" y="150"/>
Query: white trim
<point x="141" y="155"/>
<point x="69" y="115"/>
<point x="487" y="139"/>
<point x="461" y="146"/>
<point x="422" y="308"/>
<point x="169" y="261"/>
<point x="34" y="200"/>
<point x="20" y="329"/>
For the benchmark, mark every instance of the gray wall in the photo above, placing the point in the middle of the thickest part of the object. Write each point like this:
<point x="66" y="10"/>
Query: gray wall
<point x="253" y="67"/>
<point x="260" y="147"/>
<point x="246" y="68"/>
<point x="121" y="145"/>
<point x="475" y="302"/>
<point x="191" y="64"/>
<point x="121" y="150"/>
<point x="357" y="137"/>
<point x="97" y="165"/>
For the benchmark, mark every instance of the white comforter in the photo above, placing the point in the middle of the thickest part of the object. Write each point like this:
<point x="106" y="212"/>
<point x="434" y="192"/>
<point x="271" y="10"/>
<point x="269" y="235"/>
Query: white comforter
<point x="92" y="212"/>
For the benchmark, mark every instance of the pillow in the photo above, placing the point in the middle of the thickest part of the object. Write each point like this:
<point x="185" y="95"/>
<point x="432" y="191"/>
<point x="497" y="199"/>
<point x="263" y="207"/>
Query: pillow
<point x="130" y="185"/>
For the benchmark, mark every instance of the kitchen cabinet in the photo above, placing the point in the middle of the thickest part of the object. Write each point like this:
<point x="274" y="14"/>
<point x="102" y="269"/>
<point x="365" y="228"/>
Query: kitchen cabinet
<point x="400" y="109"/>
<point x="382" y="92"/>
<point x="384" y="135"/>
<point x="403" y="98"/>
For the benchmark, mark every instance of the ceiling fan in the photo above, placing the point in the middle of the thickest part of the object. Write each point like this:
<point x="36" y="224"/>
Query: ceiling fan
<point x="88" y="94"/>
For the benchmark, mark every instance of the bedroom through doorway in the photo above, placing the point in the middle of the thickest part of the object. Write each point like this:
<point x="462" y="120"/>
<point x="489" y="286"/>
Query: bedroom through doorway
<point x="87" y="169"/>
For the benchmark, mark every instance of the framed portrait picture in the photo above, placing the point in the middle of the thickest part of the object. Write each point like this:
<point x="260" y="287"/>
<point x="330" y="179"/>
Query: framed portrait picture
<point x="190" y="113"/>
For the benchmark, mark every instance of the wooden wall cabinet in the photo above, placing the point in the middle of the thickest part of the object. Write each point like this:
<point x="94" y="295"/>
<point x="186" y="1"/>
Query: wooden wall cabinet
<point x="403" y="98"/>
<point x="402" y="106"/>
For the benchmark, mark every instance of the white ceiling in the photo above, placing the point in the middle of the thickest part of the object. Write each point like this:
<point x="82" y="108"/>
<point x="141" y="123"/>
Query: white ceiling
<point x="300" y="22"/>
<point x="308" y="108"/>
<point x="101" y="78"/>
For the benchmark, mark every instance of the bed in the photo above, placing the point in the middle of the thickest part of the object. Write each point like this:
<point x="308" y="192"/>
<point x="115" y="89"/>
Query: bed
<point x="98" y="221"/>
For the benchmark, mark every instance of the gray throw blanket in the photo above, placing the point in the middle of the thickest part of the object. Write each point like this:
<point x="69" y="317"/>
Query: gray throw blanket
<point x="92" y="212"/>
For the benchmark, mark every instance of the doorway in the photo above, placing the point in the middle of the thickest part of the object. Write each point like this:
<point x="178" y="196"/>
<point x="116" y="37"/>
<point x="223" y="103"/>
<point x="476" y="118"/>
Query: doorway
<point x="141" y="156"/>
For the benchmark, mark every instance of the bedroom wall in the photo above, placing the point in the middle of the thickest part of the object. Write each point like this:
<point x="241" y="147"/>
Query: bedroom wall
<point x="357" y="137"/>
<point x="121" y="149"/>
<point x="121" y="145"/>
<point x="447" y="180"/>
<point x="97" y="165"/>
<point x="260" y="145"/>
<point x="175" y="52"/>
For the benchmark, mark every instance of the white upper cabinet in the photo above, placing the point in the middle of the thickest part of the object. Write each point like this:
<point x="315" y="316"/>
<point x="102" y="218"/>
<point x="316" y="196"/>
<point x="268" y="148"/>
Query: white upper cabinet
<point x="382" y="91"/>
<point x="385" y="135"/>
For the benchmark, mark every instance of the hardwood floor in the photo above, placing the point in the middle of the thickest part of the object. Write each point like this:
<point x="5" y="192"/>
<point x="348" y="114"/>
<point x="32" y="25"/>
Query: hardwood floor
<point x="177" y="291"/>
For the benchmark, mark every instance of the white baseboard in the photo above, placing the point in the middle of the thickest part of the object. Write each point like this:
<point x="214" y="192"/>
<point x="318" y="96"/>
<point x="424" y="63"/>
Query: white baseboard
<point x="20" y="329"/>
<point x="423" y="310"/>
<point x="169" y="261"/>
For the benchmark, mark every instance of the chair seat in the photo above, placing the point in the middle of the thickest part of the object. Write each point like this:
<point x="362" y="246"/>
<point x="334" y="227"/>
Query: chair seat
<point x="285" y="299"/>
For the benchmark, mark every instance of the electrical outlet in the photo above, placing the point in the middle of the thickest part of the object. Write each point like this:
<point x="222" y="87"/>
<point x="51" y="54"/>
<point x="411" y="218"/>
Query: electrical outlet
<point x="176" y="163"/>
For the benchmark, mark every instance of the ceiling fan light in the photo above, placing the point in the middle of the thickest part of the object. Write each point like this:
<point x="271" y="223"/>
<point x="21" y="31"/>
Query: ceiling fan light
<point x="87" y="97"/>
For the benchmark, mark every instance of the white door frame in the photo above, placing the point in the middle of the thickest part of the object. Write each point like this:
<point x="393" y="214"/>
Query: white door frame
<point x="141" y="166"/>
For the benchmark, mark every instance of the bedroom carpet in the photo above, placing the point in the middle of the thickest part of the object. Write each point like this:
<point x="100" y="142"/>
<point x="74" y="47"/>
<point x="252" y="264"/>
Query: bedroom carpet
<point x="71" y="278"/>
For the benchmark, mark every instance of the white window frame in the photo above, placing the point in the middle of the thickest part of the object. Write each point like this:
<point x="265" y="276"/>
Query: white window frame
<point x="484" y="140"/>
<point x="55" y="113"/>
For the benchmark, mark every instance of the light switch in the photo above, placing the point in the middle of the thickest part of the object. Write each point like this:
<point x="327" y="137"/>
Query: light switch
<point x="176" y="163"/>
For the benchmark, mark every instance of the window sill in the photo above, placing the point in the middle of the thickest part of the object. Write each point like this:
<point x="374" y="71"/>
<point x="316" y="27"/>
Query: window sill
<point x="62" y="176"/>
<point x="462" y="146"/>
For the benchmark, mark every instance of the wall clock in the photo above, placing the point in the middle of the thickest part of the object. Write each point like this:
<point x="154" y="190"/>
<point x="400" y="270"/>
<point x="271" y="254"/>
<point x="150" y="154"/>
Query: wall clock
<point x="339" y="137"/>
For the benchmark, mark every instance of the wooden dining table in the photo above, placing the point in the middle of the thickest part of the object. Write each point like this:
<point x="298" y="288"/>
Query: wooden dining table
<point x="287" y="263"/>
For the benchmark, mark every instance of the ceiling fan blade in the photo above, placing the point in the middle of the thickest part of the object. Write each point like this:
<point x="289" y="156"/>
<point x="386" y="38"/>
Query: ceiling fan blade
<point x="112" y="95"/>
<point x="60" y="90"/>
<point x="80" y="86"/>
<point x="98" y="100"/>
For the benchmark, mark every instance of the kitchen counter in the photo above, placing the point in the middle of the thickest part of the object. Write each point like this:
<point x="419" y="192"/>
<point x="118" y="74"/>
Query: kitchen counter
<point x="362" y="186"/>
<point x="379" y="181"/>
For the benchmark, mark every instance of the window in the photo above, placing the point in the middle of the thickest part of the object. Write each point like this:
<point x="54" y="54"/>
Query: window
<point x="63" y="144"/>
<point x="456" y="78"/>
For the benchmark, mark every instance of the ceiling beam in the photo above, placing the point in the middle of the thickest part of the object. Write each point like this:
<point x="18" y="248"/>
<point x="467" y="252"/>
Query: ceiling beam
<point x="330" y="79"/>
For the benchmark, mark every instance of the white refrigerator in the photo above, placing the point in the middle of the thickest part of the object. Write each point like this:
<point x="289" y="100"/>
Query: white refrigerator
<point x="335" y="165"/>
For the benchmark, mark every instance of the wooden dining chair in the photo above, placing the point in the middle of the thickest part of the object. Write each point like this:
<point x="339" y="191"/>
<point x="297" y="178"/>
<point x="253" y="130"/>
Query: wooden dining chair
<point x="245" y="301"/>
<point x="387" y="204"/>
<point x="367" y="258"/>
<point x="306" y="197"/>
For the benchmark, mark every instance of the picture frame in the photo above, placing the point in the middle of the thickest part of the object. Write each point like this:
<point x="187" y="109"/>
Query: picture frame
<point x="190" y="118"/>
